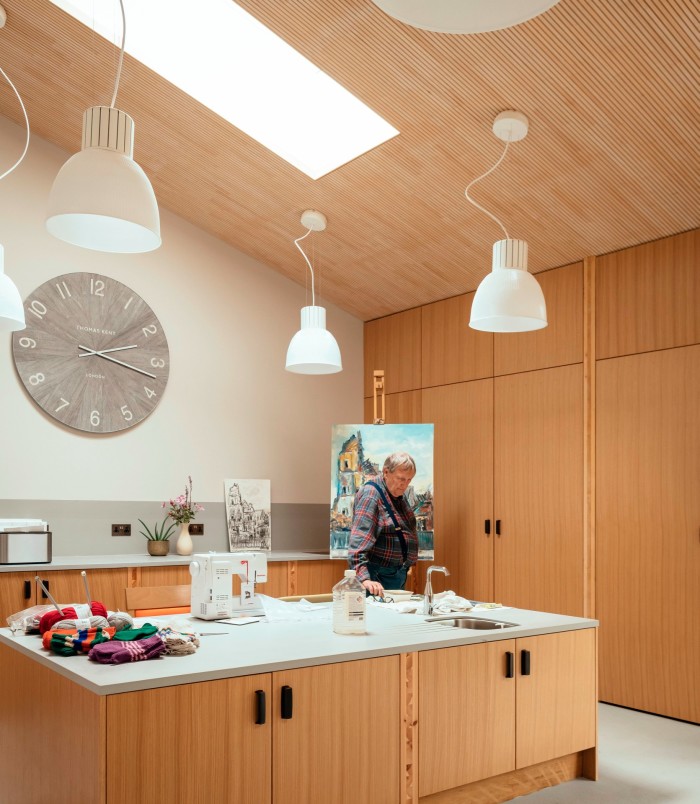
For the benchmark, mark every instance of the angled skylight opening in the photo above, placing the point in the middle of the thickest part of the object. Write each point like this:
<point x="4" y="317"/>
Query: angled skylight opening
<point x="228" y="61"/>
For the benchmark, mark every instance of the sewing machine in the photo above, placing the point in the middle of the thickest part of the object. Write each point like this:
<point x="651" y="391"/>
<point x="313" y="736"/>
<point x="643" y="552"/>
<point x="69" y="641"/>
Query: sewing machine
<point x="212" y="584"/>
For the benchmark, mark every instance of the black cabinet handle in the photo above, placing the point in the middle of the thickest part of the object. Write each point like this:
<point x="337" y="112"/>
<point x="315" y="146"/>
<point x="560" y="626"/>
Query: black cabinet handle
<point x="498" y="527"/>
<point x="286" y="703"/>
<point x="525" y="662"/>
<point x="487" y="527"/>
<point x="510" y="664"/>
<point x="27" y="590"/>
<point x="43" y="593"/>
<point x="260" y="713"/>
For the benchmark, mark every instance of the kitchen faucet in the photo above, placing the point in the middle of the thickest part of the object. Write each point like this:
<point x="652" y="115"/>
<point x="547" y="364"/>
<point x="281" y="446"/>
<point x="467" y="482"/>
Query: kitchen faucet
<point x="428" y="594"/>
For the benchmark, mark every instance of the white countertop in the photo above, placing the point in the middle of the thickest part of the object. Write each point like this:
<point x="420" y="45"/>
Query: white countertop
<point x="143" y="560"/>
<point x="264" y="647"/>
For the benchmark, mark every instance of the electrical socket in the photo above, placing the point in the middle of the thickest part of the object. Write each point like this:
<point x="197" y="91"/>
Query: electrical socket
<point x="196" y="529"/>
<point x="121" y="530"/>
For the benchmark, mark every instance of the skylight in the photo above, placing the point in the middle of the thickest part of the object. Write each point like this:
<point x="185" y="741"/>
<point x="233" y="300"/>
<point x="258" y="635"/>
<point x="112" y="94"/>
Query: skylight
<point x="231" y="63"/>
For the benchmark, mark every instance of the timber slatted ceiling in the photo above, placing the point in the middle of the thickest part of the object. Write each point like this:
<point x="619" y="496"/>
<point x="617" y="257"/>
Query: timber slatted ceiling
<point x="611" y="160"/>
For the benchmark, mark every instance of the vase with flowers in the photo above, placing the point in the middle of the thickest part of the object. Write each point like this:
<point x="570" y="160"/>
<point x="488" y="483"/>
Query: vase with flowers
<point x="183" y="510"/>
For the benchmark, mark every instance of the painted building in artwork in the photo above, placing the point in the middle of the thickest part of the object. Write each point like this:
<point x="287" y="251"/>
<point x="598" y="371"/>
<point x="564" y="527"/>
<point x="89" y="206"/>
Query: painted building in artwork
<point x="353" y="470"/>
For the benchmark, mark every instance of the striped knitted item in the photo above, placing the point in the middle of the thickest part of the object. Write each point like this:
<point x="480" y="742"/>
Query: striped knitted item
<point x="118" y="652"/>
<point x="129" y="634"/>
<point x="71" y="642"/>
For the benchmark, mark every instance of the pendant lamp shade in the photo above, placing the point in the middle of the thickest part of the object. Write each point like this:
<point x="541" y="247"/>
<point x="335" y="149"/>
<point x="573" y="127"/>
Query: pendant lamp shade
<point x="313" y="350"/>
<point x="509" y="299"/>
<point x="11" y="307"/>
<point x="101" y="199"/>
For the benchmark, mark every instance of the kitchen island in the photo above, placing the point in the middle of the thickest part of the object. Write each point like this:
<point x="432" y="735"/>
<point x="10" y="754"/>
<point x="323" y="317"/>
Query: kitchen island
<point x="291" y="713"/>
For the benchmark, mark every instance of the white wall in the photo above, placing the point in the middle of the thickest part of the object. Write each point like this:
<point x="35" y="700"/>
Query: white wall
<point x="229" y="410"/>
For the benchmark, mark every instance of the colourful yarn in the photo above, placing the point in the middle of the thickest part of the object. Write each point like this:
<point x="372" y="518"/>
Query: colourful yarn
<point x="95" y="622"/>
<point x="48" y="620"/>
<point x="98" y="609"/>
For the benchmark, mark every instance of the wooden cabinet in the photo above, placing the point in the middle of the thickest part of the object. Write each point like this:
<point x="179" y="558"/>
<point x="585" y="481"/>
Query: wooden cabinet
<point x="19" y="590"/>
<point x="341" y="740"/>
<point x="561" y="341"/>
<point x="217" y="752"/>
<point x="452" y="351"/>
<point x="495" y="707"/>
<point x="509" y="479"/>
<point x="463" y="418"/>
<point x="466" y="715"/>
<point x="648" y="297"/>
<point x="556" y="696"/>
<point x="648" y="526"/>
<point x="393" y="344"/>
<point x="538" y="490"/>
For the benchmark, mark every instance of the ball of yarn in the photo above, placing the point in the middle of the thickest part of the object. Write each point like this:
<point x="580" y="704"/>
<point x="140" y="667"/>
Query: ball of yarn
<point x="48" y="620"/>
<point x="95" y="622"/>
<point x="120" y="620"/>
<point x="98" y="609"/>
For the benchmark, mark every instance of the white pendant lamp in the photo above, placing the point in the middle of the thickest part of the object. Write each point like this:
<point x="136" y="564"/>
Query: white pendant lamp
<point x="509" y="299"/>
<point x="101" y="199"/>
<point x="313" y="350"/>
<point x="464" y="16"/>
<point x="11" y="307"/>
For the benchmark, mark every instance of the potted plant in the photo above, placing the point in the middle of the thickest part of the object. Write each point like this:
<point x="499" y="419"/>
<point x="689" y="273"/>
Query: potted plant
<point x="158" y="544"/>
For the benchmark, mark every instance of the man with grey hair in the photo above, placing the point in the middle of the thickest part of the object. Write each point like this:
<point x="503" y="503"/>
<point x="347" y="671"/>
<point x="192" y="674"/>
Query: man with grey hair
<point x="383" y="540"/>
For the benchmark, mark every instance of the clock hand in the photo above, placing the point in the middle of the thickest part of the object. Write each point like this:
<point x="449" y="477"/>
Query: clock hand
<point x="115" y="349"/>
<point x="114" y="360"/>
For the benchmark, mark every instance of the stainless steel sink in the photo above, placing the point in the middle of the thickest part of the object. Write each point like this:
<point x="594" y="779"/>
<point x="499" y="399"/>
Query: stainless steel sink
<point x="475" y="623"/>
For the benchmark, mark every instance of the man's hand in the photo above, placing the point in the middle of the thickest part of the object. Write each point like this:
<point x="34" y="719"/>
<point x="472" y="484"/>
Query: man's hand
<point x="374" y="588"/>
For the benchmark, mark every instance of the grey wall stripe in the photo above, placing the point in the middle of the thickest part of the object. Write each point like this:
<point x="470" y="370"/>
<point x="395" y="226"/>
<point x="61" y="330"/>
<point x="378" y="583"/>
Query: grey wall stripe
<point x="83" y="527"/>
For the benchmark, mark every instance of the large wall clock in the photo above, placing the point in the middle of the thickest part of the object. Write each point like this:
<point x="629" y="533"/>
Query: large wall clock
<point x="94" y="355"/>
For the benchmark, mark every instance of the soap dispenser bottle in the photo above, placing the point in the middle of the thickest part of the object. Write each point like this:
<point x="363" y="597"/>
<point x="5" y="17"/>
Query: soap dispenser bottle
<point x="349" y="605"/>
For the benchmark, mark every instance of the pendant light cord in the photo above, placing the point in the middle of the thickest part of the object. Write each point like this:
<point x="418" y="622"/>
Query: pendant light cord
<point x="303" y="254"/>
<point x="121" y="56"/>
<point x="483" y="176"/>
<point x="26" y="120"/>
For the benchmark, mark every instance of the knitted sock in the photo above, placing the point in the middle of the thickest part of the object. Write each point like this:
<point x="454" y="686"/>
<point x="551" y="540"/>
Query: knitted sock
<point x="71" y="642"/>
<point x="130" y="634"/>
<point x="117" y="652"/>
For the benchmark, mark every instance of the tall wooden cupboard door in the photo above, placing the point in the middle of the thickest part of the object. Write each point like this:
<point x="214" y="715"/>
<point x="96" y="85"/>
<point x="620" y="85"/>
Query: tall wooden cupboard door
<point x="648" y="531"/>
<point x="463" y="417"/>
<point x="538" y="490"/>
<point x="393" y="344"/>
<point x="336" y="731"/>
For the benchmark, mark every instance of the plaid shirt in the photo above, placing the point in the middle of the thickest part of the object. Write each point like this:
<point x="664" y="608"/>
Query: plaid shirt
<point x="373" y="537"/>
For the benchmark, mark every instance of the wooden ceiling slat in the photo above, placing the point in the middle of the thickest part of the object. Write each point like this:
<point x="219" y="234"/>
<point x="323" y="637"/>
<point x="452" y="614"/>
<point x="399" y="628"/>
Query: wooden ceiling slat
<point x="611" y="159"/>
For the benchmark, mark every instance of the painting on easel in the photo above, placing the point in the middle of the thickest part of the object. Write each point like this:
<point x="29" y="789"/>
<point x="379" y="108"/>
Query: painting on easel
<point x="358" y="452"/>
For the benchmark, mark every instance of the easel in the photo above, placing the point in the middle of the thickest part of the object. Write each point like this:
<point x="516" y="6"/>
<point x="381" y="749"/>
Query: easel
<point x="379" y="387"/>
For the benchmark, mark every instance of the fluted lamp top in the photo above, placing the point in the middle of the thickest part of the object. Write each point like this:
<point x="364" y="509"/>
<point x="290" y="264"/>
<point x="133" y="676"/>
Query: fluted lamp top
<point x="509" y="299"/>
<point x="313" y="349"/>
<point x="101" y="199"/>
<point x="11" y="307"/>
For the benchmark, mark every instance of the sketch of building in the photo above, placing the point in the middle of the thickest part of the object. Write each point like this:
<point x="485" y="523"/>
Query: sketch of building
<point x="248" y="514"/>
<point x="357" y="454"/>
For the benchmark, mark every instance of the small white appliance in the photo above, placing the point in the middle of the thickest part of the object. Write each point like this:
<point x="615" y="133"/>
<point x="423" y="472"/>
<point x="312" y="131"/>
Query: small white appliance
<point x="212" y="584"/>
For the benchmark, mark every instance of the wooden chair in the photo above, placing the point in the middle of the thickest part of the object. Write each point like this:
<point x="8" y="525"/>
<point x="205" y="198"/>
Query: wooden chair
<point x="149" y="601"/>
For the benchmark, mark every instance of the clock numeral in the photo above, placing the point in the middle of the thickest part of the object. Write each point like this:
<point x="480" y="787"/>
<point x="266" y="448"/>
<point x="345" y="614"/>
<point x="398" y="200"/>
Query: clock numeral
<point x="97" y="287"/>
<point x="38" y="308"/>
<point x="95" y="418"/>
<point x="35" y="379"/>
<point x="150" y="394"/>
<point x="126" y="413"/>
<point x="157" y="362"/>
<point x="63" y="291"/>
<point x="28" y="343"/>
<point x="151" y="329"/>
<point x="64" y="403"/>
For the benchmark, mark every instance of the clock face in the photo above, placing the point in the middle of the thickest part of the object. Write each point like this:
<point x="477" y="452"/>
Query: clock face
<point x="93" y="355"/>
